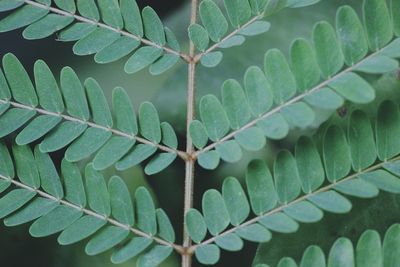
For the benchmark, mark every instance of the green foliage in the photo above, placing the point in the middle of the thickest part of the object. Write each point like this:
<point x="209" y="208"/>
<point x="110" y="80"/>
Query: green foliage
<point x="87" y="128"/>
<point x="369" y="251"/>
<point x="288" y="95"/>
<point x="83" y="207"/>
<point x="297" y="192"/>
<point x="122" y="31"/>
<point x="344" y="160"/>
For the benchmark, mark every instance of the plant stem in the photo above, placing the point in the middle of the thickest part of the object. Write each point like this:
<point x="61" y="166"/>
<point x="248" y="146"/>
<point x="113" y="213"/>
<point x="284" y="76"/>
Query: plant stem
<point x="190" y="161"/>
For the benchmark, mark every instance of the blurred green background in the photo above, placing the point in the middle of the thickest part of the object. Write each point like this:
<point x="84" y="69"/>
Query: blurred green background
<point x="168" y="93"/>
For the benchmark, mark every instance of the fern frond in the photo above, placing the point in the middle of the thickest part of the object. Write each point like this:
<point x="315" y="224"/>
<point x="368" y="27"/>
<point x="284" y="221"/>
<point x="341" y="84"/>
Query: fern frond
<point x="369" y="251"/>
<point x="122" y="31"/>
<point x="284" y="95"/>
<point x="244" y="19"/>
<point x="302" y="186"/>
<point x="82" y="208"/>
<point x="78" y="117"/>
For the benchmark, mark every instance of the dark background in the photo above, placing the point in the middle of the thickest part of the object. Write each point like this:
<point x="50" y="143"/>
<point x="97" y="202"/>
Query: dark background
<point x="168" y="93"/>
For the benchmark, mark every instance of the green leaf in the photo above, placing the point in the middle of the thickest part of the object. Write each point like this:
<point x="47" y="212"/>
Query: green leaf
<point x="49" y="178"/>
<point x="229" y="151"/>
<point x="368" y="250"/>
<point x="73" y="183"/>
<point x="95" y="41"/>
<point x="165" y="228"/>
<point x="229" y="242"/>
<point x="55" y="221"/>
<point x="258" y="91"/>
<point x="357" y="188"/>
<point x="309" y="165"/>
<point x="199" y="36"/>
<point x="21" y="86"/>
<point x="138" y="154"/>
<point x="387" y="130"/>
<point x="279" y="222"/>
<point x="313" y="257"/>
<point x="383" y="180"/>
<point x="300" y="3"/>
<point x="255" y="233"/>
<point x="215" y="212"/>
<point x="14" y="119"/>
<point x="46" y="26"/>
<point x="153" y="27"/>
<point x="324" y="98"/>
<point x="235" y="200"/>
<point x="24" y="16"/>
<point x="133" y="248"/>
<point x="154" y="257"/>
<point x="195" y="225"/>
<point x="37" y="128"/>
<point x="76" y="31"/>
<point x="25" y="165"/>
<point x="392" y="50"/>
<point x="6" y="5"/>
<point x="67" y="5"/>
<point x="124" y="113"/>
<point x="331" y="201"/>
<point x="287" y="181"/>
<point x="256" y="28"/>
<point x="88" y="9"/>
<point x="378" y="65"/>
<point x="287" y="262"/>
<point x="149" y="122"/>
<point x="74" y="94"/>
<point x="211" y="59"/>
<point x="207" y="254"/>
<point x="214" y="117"/>
<point x="146" y="212"/>
<point x="115" y="148"/>
<point x="391" y="246"/>
<point x="198" y="134"/>
<point x="279" y="75"/>
<point x="132" y="18"/>
<point x="4" y="184"/>
<point x="4" y="89"/>
<point x="298" y="114"/>
<point x="251" y="139"/>
<point x="329" y="55"/>
<point x="14" y="200"/>
<point x="97" y="193"/>
<point x="117" y="50"/>
<point x="88" y="143"/>
<point x="361" y="141"/>
<point x="393" y="167"/>
<point x="258" y="6"/>
<point x="336" y="154"/>
<point x="304" y="64"/>
<point x="304" y="212"/>
<point x="47" y="89"/>
<point x="378" y="23"/>
<point x="80" y="229"/>
<point x="120" y="199"/>
<point x="213" y="20"/>
<point x="61" y="136"/>
<point x="159" y="163"/>
<point x="341" y="254"/>
<point x="163" y="64"/>
<point x="6" y="163"/>
<point x="235" y="104"/>
<point x="351" y="35"/>
<point x="274" y="126"/>
<point x="111" y="13"/>
<point x="354" y="88"/>
<point x="106" y="239"/>
<point x="209" y="160"/>
<point x="239" y="12"/>
<point x="35" y="209"/>
<point x="142" y="58"/>
<point x="395" y="7"/>
<point x="233" y="41"/>
<point x="260" y="187"/>
<point x="98" y="103"/>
